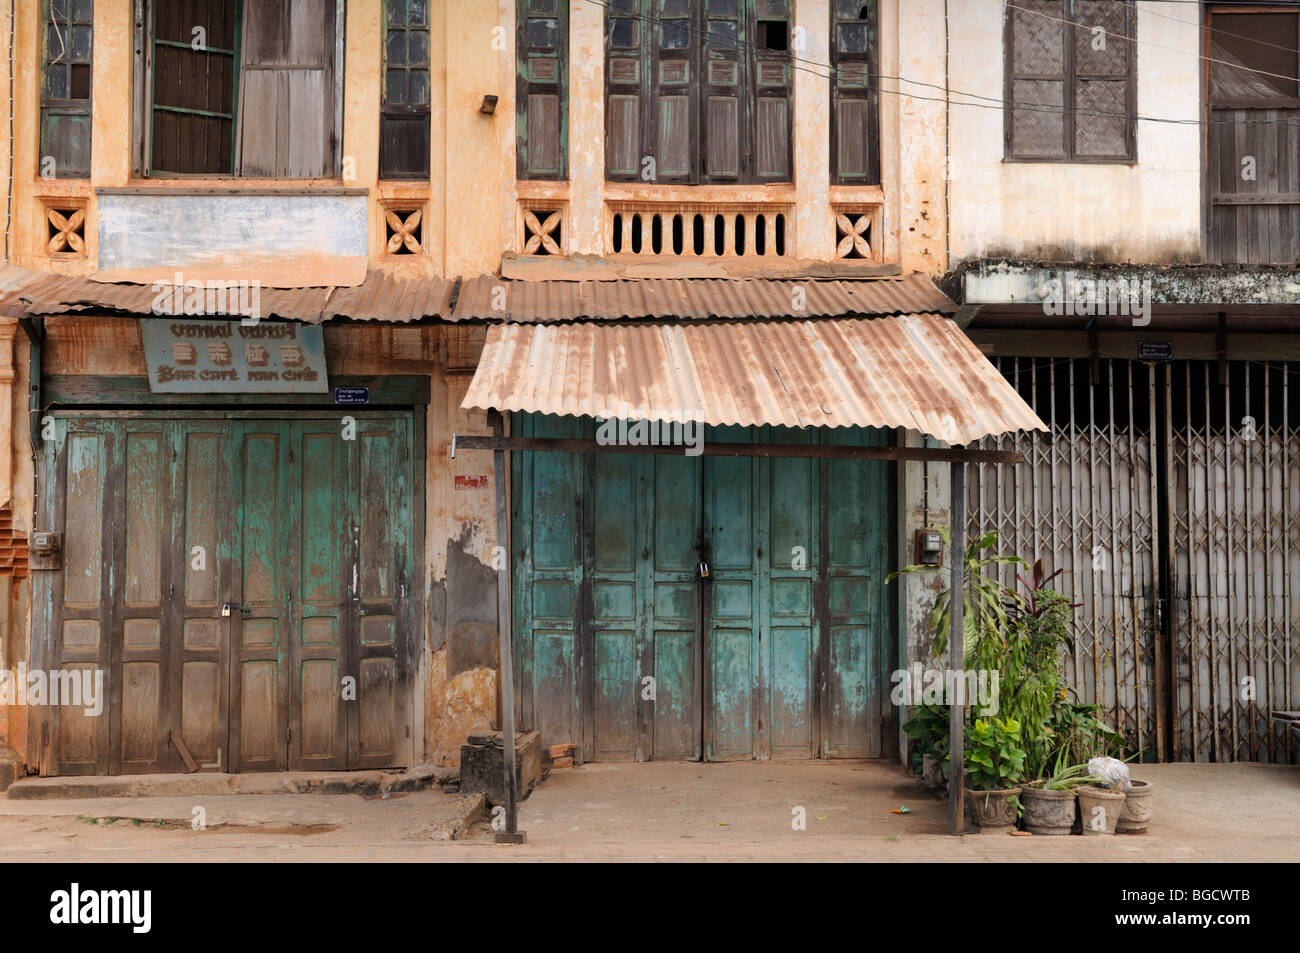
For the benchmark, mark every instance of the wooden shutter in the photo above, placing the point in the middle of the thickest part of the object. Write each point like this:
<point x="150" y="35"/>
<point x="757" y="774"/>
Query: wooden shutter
<point x="674" y="59"/>
<point x="624" y="116"/>
<point x="771" y="84"/>
<point x="286" y="126"/>
<point x="1036" y="76"/>
<point x="724" y="92"/>
<point x="541" y="91"/>
<point x="192" y="111"/>
<point x="1102" y="79"/>
<point x="404" y="133"/>
<point x="66" y="35"/>
<point x="855" y="133"/>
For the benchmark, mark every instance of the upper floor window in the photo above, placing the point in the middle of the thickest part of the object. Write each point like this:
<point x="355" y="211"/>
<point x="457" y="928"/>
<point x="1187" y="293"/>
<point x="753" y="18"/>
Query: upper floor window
<point x="698" y="91"/>
<point x="240" y="88"/>
<point x="855" y="131"/>
<point x="542" y="42"/>
<point x="1070" y="81"/>
<point x="68" y="27"/>
<point x="404" y="111"/>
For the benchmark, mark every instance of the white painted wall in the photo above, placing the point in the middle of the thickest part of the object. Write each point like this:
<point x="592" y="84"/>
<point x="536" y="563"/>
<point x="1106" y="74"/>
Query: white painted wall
<point x="1149" y="212"/>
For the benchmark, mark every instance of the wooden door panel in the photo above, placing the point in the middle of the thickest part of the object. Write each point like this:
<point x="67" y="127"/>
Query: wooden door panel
<point x="80" y="490"/>
<point x="259" y="682"/>
<point x="380" y="620"/>
<point x="317" y="625"/>
<point x="199" y="634"/>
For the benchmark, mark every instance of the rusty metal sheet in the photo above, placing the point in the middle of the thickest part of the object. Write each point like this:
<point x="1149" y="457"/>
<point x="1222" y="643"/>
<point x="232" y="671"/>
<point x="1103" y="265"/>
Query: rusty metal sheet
<point x="381" y="297"/>
<point x="393" y="298"/>
<point x="917" y="371"/>
<point x="488" y="298"/>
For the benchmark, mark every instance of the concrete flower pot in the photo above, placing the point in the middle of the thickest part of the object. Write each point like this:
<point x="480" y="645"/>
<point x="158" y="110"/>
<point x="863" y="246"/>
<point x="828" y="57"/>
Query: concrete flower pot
<point x="1048" y="811"/>
<point x="1137" y="809"/>
<point x="1099" y="808"/>
<point x="995" y="811"/>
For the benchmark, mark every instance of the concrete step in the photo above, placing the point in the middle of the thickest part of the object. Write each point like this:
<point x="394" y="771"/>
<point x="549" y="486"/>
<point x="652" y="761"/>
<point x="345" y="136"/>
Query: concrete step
<point x="215" y="784"/>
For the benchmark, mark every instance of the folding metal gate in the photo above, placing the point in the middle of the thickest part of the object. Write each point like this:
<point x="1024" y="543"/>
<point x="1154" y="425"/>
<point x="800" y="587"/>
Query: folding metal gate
<point x="1169" y="494"/>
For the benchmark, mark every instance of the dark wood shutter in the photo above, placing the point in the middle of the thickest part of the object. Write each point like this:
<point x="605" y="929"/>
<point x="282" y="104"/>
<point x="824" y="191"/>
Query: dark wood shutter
<point x="772" y="83"/>
<point x="192" y="112"/>
<point x="1070" y="81"/>
<point x="1036" y="67"/>
<point x="404" y="132"/>
<point x="66" y="41"/>
<point x="855" y="101"/>
<point x="701" y="87"/>
<point x="724" y="92"/>
<point x="1101" y="78"/>
<point x="624" y="81"/>
<point x="287" y="93"/>
<point x="542" y="88"/>
<point x="674" y="58"/>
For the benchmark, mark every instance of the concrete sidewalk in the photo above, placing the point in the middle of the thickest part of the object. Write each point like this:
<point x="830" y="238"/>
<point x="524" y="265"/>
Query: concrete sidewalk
<point x="667" y="811"/>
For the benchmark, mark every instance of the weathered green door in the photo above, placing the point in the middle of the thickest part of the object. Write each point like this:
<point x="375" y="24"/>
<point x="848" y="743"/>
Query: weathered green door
<point x="243" y="584"/>
<point x="625" y="647"/>
<point x="762" y="632"/>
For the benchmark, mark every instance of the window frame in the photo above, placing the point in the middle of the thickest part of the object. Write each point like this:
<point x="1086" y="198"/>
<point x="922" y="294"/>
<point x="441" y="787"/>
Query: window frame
<point x="150" y="92"/>
<point x="870" y="92"/>
<point x="526" y="84"/>
<point x="1070" y="79"/>
<point x="65" y="105"/>
<point x="142" y="119"/>
<point x="698" y="54"/>
<point x="408" y="112"/>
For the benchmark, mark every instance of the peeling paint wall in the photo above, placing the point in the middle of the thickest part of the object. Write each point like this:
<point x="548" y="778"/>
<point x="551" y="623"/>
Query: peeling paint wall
<point x="1149" y="211"/>
<point x="924" y="502"/>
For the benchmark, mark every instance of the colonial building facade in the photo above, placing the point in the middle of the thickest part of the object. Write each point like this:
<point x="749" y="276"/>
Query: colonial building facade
<point x="267" y="262"/>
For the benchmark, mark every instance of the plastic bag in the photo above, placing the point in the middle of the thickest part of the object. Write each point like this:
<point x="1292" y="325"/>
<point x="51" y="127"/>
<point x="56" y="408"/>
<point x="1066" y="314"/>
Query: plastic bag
<point x="1111" y="772"/>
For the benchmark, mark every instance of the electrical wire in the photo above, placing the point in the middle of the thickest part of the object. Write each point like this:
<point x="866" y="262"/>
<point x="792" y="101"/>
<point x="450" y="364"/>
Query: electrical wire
<point x="989" y="102"/>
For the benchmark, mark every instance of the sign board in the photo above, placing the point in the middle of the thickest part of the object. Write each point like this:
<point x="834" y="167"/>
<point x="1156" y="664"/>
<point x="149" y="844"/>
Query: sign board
<point x="189" y="356"/>
<point x="1155" y="350"/>
<point x="352" y="395"/>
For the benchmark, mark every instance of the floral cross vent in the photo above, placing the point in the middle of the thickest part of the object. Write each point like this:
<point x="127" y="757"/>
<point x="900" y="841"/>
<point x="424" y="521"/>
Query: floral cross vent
<point x="543" y="234"/>
<point x="67" y="231"/>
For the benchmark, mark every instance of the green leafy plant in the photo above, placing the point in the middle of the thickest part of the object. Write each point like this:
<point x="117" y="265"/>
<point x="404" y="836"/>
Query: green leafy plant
<point x="928" y="728"/>
<point x="994" y="758"/>
<point x="983" y="614"/>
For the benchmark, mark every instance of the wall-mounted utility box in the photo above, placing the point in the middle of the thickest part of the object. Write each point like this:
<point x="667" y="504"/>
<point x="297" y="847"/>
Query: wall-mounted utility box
<point x="929" y="547"/>
<point x="45" y="550"/>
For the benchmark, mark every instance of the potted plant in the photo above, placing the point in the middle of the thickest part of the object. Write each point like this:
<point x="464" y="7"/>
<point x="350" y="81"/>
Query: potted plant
<point x="1099" y="808"/>
<point x="995" y="764"/>
<point x="1136" y="813"/>
<point x="1049" y="805"/>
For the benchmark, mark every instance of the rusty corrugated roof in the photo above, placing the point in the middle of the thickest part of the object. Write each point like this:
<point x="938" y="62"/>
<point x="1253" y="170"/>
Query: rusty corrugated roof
<point x="381" y="297"/>
<point x="393" y="298"/>
<point x="917" y="371"/>
<point x="488" y="298"/>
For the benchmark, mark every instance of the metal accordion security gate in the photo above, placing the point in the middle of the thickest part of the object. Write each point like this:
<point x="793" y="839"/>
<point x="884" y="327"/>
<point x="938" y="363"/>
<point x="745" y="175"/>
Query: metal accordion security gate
<point x="1169" y="495"/>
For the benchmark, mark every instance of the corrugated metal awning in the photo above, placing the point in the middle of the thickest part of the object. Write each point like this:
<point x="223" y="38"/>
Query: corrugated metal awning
<point x="488" y="298"/>
<point x="402" y="299"/>
<point x="917" y="371"/>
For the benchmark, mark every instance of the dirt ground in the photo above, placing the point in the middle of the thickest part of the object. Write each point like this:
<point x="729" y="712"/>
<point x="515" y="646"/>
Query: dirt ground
<point x="663" y="811"/>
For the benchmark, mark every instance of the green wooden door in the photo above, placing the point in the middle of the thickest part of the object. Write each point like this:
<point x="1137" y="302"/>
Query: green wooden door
<point x="305" y="534"/>
<point x="762" y="627"/>
<point x="624" y="648"/>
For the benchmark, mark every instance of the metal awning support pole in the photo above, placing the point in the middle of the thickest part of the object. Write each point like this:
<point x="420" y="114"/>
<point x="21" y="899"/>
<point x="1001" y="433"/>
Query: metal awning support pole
<point x="957" y="651"/>
<point x="512" y="834"/>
